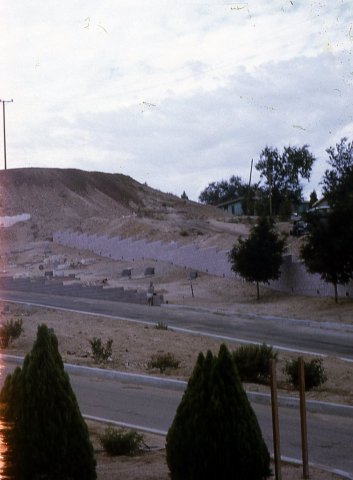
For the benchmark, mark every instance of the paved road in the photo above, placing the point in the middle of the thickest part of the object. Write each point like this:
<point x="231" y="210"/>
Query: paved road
<point x="153" y="408"/>
<point x="330" y="437"/>
<point x="282" y="333"/>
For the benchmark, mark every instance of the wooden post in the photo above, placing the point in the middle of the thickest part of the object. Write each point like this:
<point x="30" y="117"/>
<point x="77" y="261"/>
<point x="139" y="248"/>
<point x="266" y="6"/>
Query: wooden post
<point x="303" y="424"/>
<point x="192" y="290"/>
<point x="275" y="422"/>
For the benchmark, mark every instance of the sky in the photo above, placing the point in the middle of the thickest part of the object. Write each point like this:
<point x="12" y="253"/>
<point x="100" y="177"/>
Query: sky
<point x="178" y="93"/>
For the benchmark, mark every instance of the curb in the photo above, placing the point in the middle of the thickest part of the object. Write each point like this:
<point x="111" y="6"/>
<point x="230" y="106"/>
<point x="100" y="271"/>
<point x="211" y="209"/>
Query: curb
<point x="312" y="406"/>
<point x="318" y="466"/>
<point x="344" y="327"/>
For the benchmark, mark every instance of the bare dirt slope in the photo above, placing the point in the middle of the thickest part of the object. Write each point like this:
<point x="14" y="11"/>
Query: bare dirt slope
<point x="104" y="203"/>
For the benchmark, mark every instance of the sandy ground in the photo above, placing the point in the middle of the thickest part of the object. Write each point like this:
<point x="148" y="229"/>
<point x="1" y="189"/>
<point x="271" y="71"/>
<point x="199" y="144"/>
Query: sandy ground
<point x="135" y="344"/>
<point x="151" y="463"/>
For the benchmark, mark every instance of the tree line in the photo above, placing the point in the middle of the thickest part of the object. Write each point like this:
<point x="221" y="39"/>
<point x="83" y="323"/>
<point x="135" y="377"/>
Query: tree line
<point x="279" y="188"/>
<point x="326" y="249"/>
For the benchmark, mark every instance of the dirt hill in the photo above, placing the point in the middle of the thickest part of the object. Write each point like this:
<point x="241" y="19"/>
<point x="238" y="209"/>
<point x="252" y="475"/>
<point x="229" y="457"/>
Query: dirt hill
<point x="108" y="204"/>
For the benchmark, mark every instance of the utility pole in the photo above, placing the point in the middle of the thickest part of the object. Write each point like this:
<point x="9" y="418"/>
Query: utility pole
<point x="249" y="186"/>
<point x="269" y="179"/>
<point x="3" y="119"/>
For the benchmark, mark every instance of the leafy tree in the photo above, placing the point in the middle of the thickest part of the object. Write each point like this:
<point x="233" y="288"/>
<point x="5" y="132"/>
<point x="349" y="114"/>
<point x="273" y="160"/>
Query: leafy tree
<point x="47" y="437"/>
<point x="219" y="192"/>
<point x="259" y="257"/>
<point x="341" y="162"/>
<point x="215" y="433"/>
<point x="282" y="174"/>
<point x="322" y="250"/>
<point x="327" y="249"/>
<point x="184" y="196"/>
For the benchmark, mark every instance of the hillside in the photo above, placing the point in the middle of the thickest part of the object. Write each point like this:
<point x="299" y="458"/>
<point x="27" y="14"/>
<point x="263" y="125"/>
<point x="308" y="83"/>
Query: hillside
<point x="110" y="204"/>
<point x="116" y="205"/>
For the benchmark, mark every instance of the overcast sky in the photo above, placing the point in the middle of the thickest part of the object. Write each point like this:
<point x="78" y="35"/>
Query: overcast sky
<point x="175" y="93"/>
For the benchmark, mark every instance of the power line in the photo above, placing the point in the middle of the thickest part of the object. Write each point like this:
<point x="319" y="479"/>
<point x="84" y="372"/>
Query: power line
<point x="3" y="117"/>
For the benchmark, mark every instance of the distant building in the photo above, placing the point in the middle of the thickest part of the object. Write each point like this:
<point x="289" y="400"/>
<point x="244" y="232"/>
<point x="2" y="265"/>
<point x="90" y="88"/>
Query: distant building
<point x="235" y="207"/>
<point x="321" y="206"/>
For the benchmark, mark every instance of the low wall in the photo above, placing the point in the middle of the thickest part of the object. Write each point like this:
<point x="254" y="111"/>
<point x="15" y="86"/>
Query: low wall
<point x="210" y="260"/>
<point x="294" y="277"/>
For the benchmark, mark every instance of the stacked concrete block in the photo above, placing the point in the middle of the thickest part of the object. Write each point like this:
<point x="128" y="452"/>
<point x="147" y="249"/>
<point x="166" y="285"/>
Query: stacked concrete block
<point x="91" y="242"/>
<point x="183" y="256"/>
<point x="294" y="277"/>
<point x="167" y="252"/>
<point x="119" y="247"/>
<point x="137" y="249"/>
<point x="152" y="249"/>
<point x="198" y="259"/>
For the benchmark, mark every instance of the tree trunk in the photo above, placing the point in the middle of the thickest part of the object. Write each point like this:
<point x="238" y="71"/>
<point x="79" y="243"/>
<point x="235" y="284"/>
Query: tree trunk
<point x="336" y="294"/>
<point x="257" y="291"/>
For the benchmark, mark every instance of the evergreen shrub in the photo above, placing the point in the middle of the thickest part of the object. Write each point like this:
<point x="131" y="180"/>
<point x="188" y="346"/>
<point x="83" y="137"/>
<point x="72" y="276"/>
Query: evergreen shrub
<point x="46" y="436"/>
<point x="215" y="433"/>
<point x="253" y="362"/>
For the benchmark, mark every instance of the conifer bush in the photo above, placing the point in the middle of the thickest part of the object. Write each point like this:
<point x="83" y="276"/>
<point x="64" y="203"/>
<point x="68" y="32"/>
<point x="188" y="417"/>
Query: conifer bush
<point x="47" y="437"/>
<point x="253" y="362"/>
<point x="215" y="433"/>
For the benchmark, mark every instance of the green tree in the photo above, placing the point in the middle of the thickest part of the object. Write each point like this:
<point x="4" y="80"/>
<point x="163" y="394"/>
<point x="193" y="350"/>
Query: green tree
<point x="341" y="162"/>
<point x="327" y="250"/>
<point x="222" y="191"/>
<point x="215" y="433"/>
<point x="47" y="437"/>
<point x="282" y="173"/>
<point x="259" y="257"/>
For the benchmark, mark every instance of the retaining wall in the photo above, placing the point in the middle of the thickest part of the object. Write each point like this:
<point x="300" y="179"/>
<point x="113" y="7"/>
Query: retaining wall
<point x="294" y="277"/>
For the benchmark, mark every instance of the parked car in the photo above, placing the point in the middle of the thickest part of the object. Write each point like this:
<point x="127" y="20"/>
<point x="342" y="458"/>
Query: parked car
<point x="299" y="228"/>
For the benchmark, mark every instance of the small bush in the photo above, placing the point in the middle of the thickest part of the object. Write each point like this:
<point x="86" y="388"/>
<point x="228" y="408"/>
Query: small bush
<point x="100" y="352"/>
<point x="163" y="361"/>
<point x="184" y="233"/>
<point x="10" y="331"/>
<point x="314" y="373"/>
<point x="253" y="362"/>
<point x="118" y="442"/>
<point x="161" y="326"/>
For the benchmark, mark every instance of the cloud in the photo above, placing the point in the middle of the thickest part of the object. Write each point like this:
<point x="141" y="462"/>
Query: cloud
<point x="176" y="94"/>
<point x="187" y="142"/>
